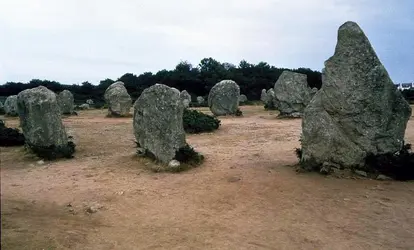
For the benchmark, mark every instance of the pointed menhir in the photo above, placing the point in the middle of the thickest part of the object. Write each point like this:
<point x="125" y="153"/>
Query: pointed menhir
<point x="357" y="112"/>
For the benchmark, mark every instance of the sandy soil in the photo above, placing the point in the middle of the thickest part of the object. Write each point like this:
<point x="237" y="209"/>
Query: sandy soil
<point x="245" y="196"/>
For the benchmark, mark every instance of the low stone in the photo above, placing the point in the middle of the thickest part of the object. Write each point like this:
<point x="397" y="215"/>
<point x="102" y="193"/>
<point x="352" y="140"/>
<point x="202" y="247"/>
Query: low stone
<point x="200" y="100"/>
<point x="41" y="162"/>
<point x="66" y="102"/>
<point x="382" y="177"/>
<point x="174" y="164"/>
<point x="361" y="173"/>
<point x="242" y="98"/>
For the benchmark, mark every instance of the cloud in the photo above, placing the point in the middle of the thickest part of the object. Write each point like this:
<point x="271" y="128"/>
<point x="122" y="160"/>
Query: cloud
<point x="77" y="40"/>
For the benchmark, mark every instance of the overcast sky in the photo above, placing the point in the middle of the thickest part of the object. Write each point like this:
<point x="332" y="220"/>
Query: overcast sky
<point x="72" y="41"/>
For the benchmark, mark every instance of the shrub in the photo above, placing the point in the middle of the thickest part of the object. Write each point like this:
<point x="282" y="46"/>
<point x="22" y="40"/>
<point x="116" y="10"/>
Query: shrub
<point x="239" y="112"/>
<point x="195" y="122"/>
<point x="399" y="166"/>
<point x="10" y="137"/>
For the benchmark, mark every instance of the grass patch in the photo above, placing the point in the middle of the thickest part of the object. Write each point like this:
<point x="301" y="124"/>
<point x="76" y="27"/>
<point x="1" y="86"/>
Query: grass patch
<point x="195" y="122"/>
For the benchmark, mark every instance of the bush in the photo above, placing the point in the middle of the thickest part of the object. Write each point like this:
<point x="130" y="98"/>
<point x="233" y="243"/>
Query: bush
<point x="10" y="137"/>
<point x="195" y="122"/>
<point x="239" y="112"/>
<point x="399" y="166"/>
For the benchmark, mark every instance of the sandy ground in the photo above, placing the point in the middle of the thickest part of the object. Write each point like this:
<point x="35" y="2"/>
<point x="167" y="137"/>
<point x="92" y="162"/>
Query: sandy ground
<point x="245" y="196"/>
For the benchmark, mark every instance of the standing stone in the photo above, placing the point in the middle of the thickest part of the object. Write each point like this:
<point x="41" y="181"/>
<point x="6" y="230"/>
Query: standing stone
<point x="118" y="99"/>
<point x="10" y="106"/>
<point x="66" y="102"/>
<point x="89" y="101"/>
<point x="158" y="122"/>
<point x="200" y="100"/>
<point x="270" y="100"/>
<point x="357" y="111"/>
<point x="223" y="98"/>
<point x="186" y="98"/>
<point x="242" y="98"/>
<point x="41" y="123"/>
<point x="1" y="108"/>
<point x="263" y="95"/>
<point x="292" y="93"/>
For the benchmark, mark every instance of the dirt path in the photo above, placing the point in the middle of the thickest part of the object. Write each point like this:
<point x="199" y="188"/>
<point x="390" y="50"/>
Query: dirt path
<point x="245" y="196"/>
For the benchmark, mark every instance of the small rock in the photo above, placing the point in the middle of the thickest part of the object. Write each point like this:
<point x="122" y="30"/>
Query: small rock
<point x="233" y="179"/>
<point x="120" y="193"/>
<point x="174" y="164"/>
<point x="361" y="173"/>
<point x="382" y="177"/>
<point x="94" y="208"/>
<point x="41" y="162"/>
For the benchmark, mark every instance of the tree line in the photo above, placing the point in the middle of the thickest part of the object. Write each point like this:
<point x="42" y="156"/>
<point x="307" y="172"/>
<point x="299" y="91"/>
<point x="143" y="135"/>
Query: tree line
<point x="197" y="80"/>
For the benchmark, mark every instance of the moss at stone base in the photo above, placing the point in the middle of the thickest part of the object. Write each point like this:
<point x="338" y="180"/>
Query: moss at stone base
<point x="53" y="152"/>
<point x="186" y="155"/>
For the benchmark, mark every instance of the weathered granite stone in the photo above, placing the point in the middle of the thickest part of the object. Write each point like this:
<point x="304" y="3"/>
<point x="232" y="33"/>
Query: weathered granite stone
<point x="41" y="123"/>
<point x="357" y="112"/>
<point x="66" y="102"/>
<point x="263" y="95"/>
<point x="223" y="98"/>
<point x="292" y="93"/>
<point x="10" y="106"/>
<point x="200" y="100"/>
<point x="158" y="122"/>
<point x="118" y="99"/>
<point x="242" y="98"/>
<point x="269" y="100"/>
<point x="186" y="98"/>
<point x="89" y="101"/>
<point x="84" y="106"/>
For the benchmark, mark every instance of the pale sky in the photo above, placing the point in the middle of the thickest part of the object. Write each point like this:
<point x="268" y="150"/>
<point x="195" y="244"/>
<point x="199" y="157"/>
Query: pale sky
<point x="72" y="41"/>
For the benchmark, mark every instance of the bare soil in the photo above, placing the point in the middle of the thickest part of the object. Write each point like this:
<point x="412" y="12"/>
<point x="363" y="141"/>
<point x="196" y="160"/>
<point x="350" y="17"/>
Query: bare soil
<point x="246" y="195"/>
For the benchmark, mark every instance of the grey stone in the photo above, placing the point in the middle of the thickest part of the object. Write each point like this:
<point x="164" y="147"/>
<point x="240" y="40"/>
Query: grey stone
<point x="10" y="106"/>
<point x="186" y="98"/>
<point x="66" y="102"/>
<point x="40" y="119"/>
<point x="200" y="100"/>
<point x="361" y="173"/>
<point x="118" y="99"/>
<point x="357" y="111"/>
<point x="174" y="164"/>
<point x="1" y="108"/>
<point x="223" y="98"/>
<point x="270" y="99"/>
<point x="40" y="162"/>
<point x="382" y="177"/>
<point x="263" y="95"/>
<point x="242" y="98"/>
<point x="292" y="93"/>
<point x="84" y="106"/>
<point x="158" y="122"/>
<point x="90" y="102"/>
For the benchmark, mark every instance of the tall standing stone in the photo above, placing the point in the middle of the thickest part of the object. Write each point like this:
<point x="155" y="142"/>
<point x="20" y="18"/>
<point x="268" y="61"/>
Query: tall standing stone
<point x="41" y="123"/>
<point x="10" y="106"/>
<point x="269" y="100"/>
<point x="186" y="98"/>
<point x="158" y="122"/>
<point x="357" y="111"/>
<point x="66" y="102"/>
<point x="292" y="93"/>
<point x="118" y="99"/>
<point x="263" y="95"/>
<point x="223" y="98"/>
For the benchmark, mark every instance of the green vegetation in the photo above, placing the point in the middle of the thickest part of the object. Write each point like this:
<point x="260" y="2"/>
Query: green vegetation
<point x="195" y="122"/>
